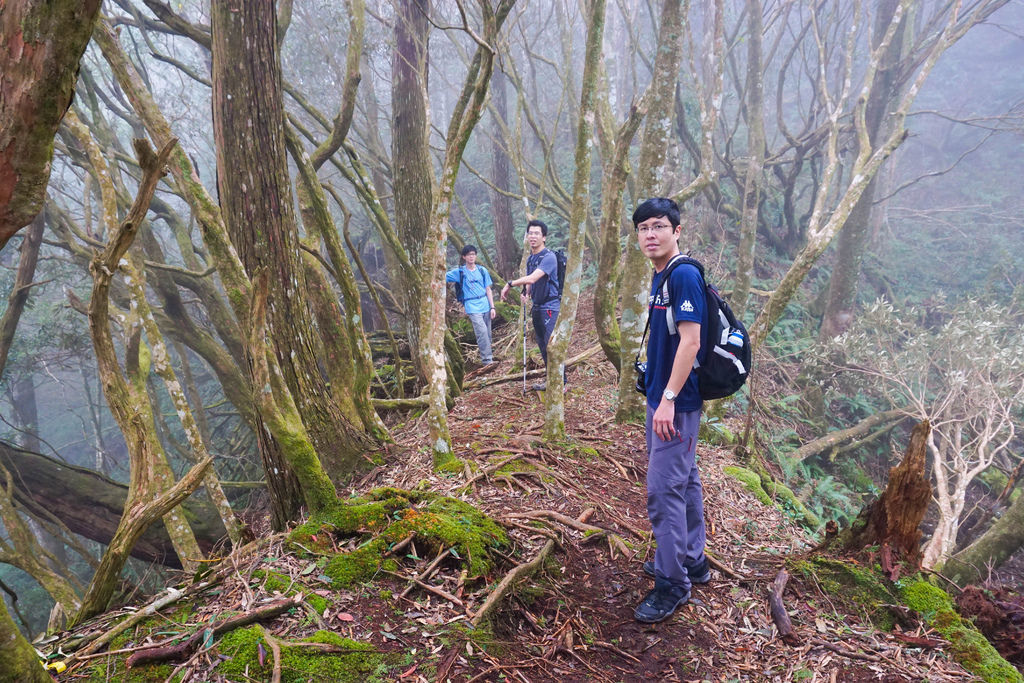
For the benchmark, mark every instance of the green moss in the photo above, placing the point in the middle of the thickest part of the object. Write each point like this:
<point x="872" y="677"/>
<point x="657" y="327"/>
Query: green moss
<point x="297" y="663"/>
<point x="970" y="648"/>
<point x="790" y="503"/>
<point x="447" y="462"/>
<point x="855" y="583"/>
<point x="391" y="515"/>
<point x="751" y="481"/>
<point x="155" y="673"/>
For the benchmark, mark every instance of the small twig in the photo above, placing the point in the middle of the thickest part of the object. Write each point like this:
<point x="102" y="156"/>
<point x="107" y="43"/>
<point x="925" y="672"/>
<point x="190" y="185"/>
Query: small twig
<point x="426" y="572"/>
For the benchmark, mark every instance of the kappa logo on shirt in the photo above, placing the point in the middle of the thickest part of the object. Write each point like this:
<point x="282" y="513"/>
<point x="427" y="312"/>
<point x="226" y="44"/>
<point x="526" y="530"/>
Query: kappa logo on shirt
<point x="686" y="306"/>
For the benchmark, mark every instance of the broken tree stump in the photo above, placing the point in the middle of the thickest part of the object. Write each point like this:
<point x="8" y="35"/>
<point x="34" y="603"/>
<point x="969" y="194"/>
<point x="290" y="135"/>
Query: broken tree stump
<point x="894" y="519"/>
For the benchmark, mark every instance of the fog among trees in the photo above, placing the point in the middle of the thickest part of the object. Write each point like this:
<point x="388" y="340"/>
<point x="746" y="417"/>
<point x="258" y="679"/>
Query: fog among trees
<point x="224" y="295"/>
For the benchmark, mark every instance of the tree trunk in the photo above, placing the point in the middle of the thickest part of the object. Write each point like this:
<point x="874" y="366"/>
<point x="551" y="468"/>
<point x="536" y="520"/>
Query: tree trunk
<point x="554" y="398"/>
<point x="22" y="285"/>
<point x="41" y="43"/>
<point x="257" y="205"/>
<point x="18" y="659"/>
<point x="894" y="519"/>
<point x="754" y="108"/>
<point x="505" y="242"/>
<point x="853" y="236"/>
<point x="990" y="550"/>
<point x="411" y="163"/>
<point x="650" y="183"/>
<point x="282" y="437"/>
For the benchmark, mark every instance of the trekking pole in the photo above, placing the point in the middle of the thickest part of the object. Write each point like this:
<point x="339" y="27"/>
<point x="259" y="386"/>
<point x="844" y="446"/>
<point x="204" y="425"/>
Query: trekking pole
<point x="523" y="307"/>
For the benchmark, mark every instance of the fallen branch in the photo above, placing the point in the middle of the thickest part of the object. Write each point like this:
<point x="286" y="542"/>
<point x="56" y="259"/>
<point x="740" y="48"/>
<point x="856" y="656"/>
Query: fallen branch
<point x="185" y="649"/>
<point x="518" y="572"/>
<point x="778" y="610"/>
<point x="170" y="597"/>
<point x="481" y="382"/>
<point x="833" y="439"/>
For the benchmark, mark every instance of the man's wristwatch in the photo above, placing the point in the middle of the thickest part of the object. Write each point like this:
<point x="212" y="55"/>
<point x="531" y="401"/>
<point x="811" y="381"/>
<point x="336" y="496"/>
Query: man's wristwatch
<point x="669" y="395"/>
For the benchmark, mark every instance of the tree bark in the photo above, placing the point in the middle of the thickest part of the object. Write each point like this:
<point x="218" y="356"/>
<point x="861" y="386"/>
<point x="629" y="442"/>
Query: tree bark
<point x="411" y="163"/>
<point x="282" y="437"/>
<point x="22" y="285"/>
<point x="754" y="110"/>
<point x="257" y="205"/>
<point x="41" y="43"/>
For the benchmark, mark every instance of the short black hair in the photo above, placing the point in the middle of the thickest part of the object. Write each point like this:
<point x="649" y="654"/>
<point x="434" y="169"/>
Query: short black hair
<point x="541" y="224"/>
<point x="657" y="207"/>
<point x="468" y="248"/>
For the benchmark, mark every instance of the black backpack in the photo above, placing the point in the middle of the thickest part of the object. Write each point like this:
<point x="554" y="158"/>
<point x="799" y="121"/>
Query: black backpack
<point x="563" y="261"/>
<point x="727" y="359"/>
<point x="460" y="294"/>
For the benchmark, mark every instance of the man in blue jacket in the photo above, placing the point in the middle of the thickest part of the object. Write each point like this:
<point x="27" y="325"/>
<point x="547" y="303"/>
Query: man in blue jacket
<point x="477" y="299"/>
<point x="675" y="498"/>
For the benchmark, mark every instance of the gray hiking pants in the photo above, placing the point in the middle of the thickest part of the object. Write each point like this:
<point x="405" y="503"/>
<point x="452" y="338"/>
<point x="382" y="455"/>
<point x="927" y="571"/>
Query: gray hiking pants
<point x="482" y="329"/>
<point x="675" y="499"/>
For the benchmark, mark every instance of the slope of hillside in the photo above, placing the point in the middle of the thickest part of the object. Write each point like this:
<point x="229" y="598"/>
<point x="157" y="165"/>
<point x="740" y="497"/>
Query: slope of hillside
<point x="286" y="608"/>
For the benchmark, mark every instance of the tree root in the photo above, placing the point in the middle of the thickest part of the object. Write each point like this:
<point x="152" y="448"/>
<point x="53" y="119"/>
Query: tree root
<point x="520" y="571"/>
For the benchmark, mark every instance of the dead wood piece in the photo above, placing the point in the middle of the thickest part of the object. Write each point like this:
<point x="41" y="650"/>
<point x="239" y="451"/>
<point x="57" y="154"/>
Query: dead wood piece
<point x="895" y="517"/>
<point x="778" y="610"/>
<point x="490" y="469"/>
<point x="725" y="569"/>
<point x="170" y="597"/>
<point x="428" y="572"/>
<point x="400" y="545"/>
<point x="559" y="517"/>
<point x="917" y="641"/>
<point x="186" y="648"/>
<point x="518" y="572"/>
<point x="617" y="650"/>
<point x="844" y="652"/>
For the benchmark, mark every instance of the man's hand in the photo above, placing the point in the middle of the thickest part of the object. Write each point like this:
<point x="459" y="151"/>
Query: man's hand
<point x="493" y="313"/>
<point x="664" y="418"/>
<point x="504" y="291"/>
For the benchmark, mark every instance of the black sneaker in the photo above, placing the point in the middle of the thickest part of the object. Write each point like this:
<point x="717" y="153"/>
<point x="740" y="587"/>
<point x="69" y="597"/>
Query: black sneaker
<point x="660" y="603"/>
<point x="700" y="574"/>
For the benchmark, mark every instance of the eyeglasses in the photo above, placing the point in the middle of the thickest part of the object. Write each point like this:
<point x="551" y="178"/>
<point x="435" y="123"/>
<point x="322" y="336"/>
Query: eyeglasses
<point x="653" y="228"/>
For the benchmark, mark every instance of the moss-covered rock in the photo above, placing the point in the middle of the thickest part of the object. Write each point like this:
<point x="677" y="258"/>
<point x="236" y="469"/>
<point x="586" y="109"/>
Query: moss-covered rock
<point x="771" y="492"/>
<point x="386" y="516"/>
<point x="299" y="664"/>
<point x="969" y="646"/>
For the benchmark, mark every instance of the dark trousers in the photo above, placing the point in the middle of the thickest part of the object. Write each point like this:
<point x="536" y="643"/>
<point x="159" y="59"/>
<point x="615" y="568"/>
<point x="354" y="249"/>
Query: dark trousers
<point x="543" y="325"/>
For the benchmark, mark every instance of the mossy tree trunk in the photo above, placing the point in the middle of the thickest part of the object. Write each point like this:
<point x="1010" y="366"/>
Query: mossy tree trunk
<point x="554" y="398"/>
<point x="990" y="550"/>
<point x="433" y="330"/>
<point x="650" y="175"/>
<point x="18" y="659"/>
<point x="41" y="43"/>
<point x="256" y="200"/>
<point x="506" y="245"/>
<point x="613" y="182"/>
<point x="150" y="495"/>
<point x="282" y="440"/>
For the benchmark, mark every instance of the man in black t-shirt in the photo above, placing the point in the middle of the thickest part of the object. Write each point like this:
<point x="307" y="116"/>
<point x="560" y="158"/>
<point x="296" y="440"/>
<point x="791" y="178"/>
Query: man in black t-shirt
<point x="541" y="283"/>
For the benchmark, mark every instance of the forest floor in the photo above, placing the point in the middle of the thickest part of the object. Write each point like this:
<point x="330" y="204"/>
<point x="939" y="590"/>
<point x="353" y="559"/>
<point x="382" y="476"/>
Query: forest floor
<point x="573" y="619"/>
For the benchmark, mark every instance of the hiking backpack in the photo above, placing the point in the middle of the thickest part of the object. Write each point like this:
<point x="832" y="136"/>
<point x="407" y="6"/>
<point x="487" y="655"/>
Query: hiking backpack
<point x="727" y="359"/>
<point x="460" y="292"/>
<point x="562" y="261"/>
